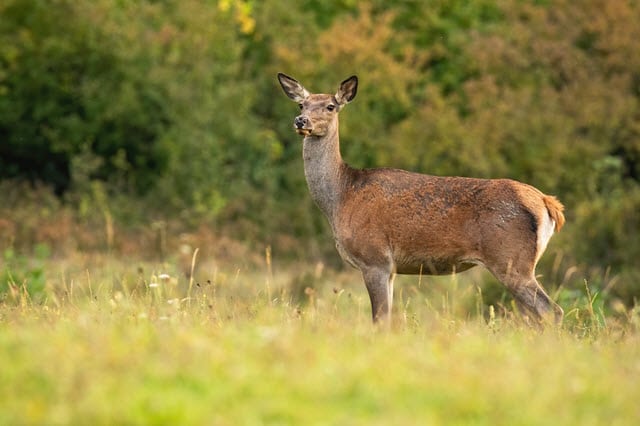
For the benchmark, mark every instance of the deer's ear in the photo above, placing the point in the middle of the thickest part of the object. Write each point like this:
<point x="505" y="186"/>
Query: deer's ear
<point x="347" y="90"/>
<point x="292" y="88"/>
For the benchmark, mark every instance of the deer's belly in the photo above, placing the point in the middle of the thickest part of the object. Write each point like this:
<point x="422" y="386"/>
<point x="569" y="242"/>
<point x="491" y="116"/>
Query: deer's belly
<point x="432" y="266"/>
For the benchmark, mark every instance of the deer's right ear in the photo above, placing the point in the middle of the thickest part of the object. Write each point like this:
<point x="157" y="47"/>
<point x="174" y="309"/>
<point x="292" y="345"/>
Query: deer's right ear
<point x="292" y="88"/>
<point x="347" y="90"/>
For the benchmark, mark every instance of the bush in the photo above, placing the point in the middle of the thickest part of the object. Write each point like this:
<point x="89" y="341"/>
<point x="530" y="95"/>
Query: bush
<point x="170" y="110"/>
<point x="66" y="89"/>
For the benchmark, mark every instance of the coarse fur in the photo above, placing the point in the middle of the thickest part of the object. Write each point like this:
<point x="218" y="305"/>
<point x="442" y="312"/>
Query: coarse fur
<point x="389" y="221"/>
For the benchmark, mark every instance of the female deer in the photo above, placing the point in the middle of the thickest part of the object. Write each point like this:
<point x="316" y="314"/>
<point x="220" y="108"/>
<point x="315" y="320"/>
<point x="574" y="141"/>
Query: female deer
<point x="389" y="221"/>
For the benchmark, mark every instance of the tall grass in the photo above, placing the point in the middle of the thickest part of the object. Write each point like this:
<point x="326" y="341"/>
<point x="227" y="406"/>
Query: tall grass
<point x="113" y="341"/>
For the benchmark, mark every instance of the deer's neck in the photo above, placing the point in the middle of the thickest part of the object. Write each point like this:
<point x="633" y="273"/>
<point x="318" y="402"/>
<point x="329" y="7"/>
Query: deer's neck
<point x="324" y="171"/>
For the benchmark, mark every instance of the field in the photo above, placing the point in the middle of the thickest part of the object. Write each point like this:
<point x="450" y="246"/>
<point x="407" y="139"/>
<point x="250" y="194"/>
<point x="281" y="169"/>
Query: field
<point x="113" y="341"/>
<point x="134" y="132"/>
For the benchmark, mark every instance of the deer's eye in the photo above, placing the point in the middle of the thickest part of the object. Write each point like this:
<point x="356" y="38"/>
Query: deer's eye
<point x="331" y="107"/>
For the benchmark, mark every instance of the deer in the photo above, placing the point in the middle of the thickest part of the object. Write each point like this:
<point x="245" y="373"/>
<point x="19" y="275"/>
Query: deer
<point x="388" y="221"/>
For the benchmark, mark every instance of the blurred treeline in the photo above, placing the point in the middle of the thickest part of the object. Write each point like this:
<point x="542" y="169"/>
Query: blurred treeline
<point x="170" y="110"/>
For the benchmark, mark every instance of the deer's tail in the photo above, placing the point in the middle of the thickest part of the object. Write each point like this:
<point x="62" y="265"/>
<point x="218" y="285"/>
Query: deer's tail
<point x="555" y="209"/>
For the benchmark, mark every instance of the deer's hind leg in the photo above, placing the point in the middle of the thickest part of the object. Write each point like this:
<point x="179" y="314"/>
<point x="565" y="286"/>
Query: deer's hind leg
<point x="532" y="298"/>
<point x="529" y="295"/>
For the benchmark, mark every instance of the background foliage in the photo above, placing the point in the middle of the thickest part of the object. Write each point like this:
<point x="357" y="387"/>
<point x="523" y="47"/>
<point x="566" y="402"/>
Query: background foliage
<point x="146" y="113"/>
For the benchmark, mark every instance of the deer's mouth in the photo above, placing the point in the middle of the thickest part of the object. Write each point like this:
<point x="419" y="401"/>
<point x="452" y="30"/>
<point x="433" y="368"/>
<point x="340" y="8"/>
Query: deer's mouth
<point x="303" y="132"/>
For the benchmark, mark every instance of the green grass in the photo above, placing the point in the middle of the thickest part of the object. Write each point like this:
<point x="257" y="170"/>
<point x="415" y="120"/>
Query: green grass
<point x="237" y="347"/>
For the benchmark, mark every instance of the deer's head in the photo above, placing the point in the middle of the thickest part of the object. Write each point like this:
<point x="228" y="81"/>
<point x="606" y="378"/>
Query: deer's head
<point x="318" y="112"/>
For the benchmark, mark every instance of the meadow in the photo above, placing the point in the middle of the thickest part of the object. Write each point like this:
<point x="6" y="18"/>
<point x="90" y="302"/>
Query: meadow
<point x="126" y="126"/>
<point x="113" y="340"/>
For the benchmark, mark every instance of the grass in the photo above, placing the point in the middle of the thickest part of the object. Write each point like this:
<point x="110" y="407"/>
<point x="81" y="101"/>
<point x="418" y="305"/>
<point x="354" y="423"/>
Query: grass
<point x="111" y="341"/>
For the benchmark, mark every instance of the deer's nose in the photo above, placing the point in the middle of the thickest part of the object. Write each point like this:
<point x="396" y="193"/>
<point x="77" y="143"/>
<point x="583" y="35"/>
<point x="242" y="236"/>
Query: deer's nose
<point x="301" y="122"/>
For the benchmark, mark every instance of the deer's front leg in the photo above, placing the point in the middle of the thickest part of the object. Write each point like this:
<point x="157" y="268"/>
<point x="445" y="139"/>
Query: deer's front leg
<point x="379" y="282"/>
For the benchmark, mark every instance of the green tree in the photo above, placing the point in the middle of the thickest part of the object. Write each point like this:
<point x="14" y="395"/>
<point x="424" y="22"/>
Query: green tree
<point x="64" y="89"/>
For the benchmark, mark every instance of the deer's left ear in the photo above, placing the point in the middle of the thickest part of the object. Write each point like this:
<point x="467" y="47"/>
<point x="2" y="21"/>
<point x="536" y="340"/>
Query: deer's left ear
<point x="292" y="88"/>
<point x="347" y="90"/>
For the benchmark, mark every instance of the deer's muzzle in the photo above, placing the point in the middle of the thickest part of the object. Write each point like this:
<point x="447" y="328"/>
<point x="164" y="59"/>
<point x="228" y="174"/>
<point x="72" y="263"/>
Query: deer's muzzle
<point x="302" y="125"/>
